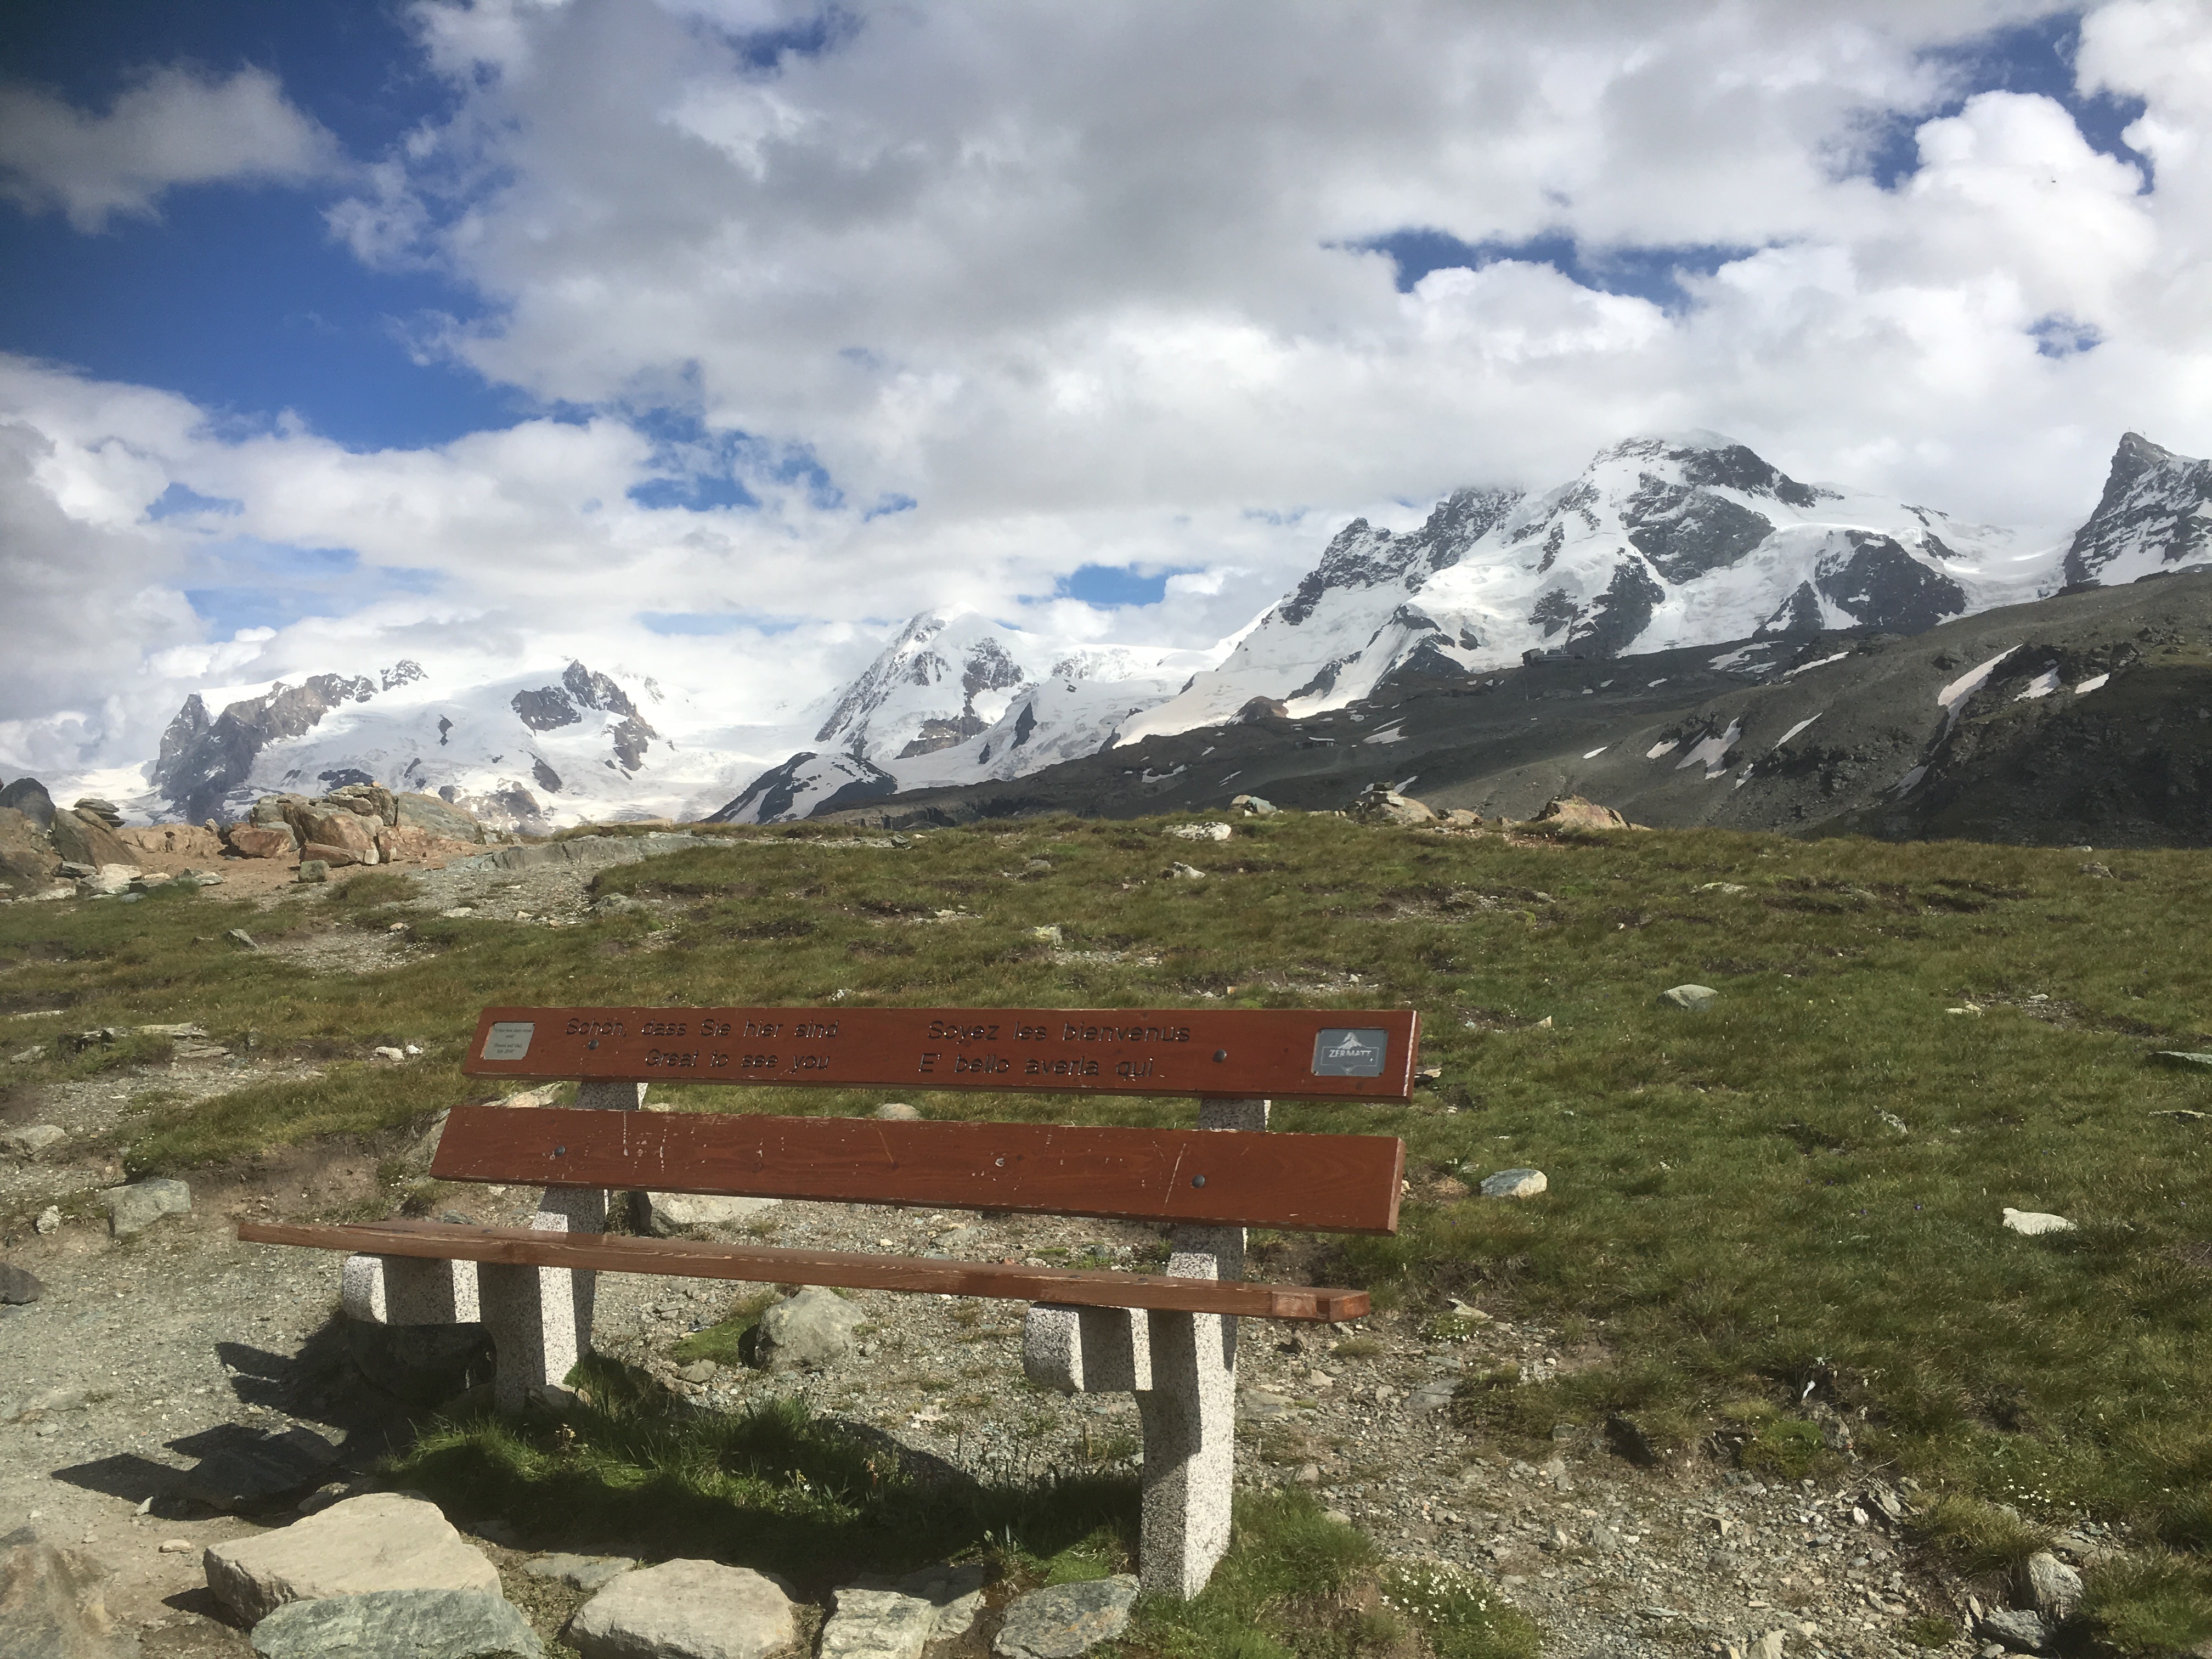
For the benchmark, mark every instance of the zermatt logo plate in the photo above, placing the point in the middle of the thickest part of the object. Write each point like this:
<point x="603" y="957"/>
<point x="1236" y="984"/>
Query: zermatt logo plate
<point x="1339" y="1052"/>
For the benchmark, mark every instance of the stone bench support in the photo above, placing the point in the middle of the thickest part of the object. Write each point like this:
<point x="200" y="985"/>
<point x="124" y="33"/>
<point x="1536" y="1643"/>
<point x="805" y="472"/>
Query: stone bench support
<point x="1183" y="1369"/>
<point x="540" y="1318"/>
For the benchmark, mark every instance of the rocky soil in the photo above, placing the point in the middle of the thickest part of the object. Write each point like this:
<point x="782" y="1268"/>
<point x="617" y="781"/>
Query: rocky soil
<point x="147" y="1355"/>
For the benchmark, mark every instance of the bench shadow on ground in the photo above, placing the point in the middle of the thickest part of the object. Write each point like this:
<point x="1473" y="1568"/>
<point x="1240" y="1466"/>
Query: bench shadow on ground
<point x="630" y="1468"/>
<point x="362" y="1387"/>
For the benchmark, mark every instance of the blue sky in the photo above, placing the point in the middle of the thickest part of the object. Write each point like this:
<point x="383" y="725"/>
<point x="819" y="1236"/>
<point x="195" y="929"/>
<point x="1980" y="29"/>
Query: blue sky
<point x="713" y="331"/>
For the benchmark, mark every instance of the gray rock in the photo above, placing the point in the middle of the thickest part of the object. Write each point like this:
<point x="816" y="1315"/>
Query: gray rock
<point x="2017" y="1628"/>
<point x="1515" y="1183"/>
<point x="2185" y="1059"/>
<point x="134" y="1208"/>
<point x="1254" y="806"/>
<point x="1432" y="1396"/>
<point x="808" y="1331"/>
<point x="398" y="1624"/>
<point x="260" y="1472"/>
<point x="1064" y="1620"/>
<point x="616" y="904"/>
<point x="583" y="1573"/>
<point x="379" y="1541"/>
<point x="51" y="1606"/>
<point x="684" y="1610"/>
<point x="668" y="1215"/>
<point x="896" y="1111"/>
<point x="314" y="869"/>
<point x="243" y="940"/>
<point x="1768" y="1646"/>
<point x="2053" y="1587"/>
<point x="49" y="1221"/>
<point x="1379" y="803"/>
<point x="1690" y="996"/>
<point x="29" y="797"/>
<point x="19" y="1286"/>
<point x="79" y="839"/>
<point x="32" y="1140"/>
<point x="106" y="810"/>
<point x="1261" y="1405"/>
<point x="2034" y="1223"/>
<point x="879" y="1618"/>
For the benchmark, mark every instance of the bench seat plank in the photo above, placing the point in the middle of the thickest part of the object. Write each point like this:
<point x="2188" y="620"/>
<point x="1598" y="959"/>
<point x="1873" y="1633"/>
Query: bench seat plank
<point x="1299" y="1183"/>
<point x="766" y="1265"/>
<point x="1339" y="1054"/>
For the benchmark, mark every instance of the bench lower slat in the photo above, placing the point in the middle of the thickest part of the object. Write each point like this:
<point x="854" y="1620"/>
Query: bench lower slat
<point x="850" y="1270"/>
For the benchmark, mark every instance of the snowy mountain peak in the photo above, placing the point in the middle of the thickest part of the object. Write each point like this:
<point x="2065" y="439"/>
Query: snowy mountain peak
<point x="2155" y="514"/>
<point x="947" y="676"/>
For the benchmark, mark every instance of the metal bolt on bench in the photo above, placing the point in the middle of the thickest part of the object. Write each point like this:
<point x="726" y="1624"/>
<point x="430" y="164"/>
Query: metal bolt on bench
<point x="1169" y="1338"/>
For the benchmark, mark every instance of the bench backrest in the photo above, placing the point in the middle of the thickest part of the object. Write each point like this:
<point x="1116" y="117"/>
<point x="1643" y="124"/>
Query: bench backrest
<point x="1360" y="1053"/>
<point x="1298" y="1183"/>
<point x="1314" y="1183"/>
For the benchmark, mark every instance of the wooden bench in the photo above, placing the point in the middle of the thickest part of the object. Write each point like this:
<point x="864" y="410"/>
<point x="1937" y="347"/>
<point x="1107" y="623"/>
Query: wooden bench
<point x="1171" y="1337"/>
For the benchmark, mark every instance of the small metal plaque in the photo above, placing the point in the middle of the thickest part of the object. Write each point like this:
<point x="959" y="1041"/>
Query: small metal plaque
<point x="1356" y="1052"/>
<point x="508" y="1039"/>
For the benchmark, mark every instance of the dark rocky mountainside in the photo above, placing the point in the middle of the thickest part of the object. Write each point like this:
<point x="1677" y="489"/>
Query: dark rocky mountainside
<point x="2155" y="512"/>
<point x="2084" y="717"/>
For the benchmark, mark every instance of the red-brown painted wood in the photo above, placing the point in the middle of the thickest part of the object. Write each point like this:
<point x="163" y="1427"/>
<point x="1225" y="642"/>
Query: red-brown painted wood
<point x="1300" y="1183"/>
<point x="764" y="1264"/>
<point x="1178" y="1051"/>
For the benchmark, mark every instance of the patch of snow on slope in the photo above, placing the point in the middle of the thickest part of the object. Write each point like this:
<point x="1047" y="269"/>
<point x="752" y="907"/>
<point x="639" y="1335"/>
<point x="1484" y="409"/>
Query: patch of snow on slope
<point x="1794" y="730"/>
<point x="1952" y="697"/>
<point x="2090" y="684"/>
<point x="1711" y="751"/>
<point x="1667" y="747"/>
<point x="2041" y="686"/>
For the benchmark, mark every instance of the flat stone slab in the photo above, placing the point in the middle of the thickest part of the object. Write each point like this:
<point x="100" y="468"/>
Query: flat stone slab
<point x="32" y="1140"/>
<point x="684" y="1610"/>
<point x="879" y="1618"/>
<point x="1063" y="1621"/>
<point x="1690" y="996"/>
<point x="398" y="1624"/>
<point x="2035" y="1222"/>
<point x="379" y="1541"/>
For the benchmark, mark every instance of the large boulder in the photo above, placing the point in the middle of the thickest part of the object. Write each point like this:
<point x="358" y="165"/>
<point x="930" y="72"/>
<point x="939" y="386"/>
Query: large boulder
<point x="672" y="1215"/>
<point x="51" y="1606"/>
<point x="371" y="800"/>
<point x="262" y="841"/>
<point x="182" y="840"/>
<point x="407" y="845"/>
<point x="440" y="817"/>
<point x="379" y="1541"/>
<point x="27" y="856"/>
<point x="29" y="797"/>
<point x="79" y="838"/>
<point x="342" y="828"/>
<point x="398" y="1624"/>
<point x="685" y="1610"/>
<point x="1379" y="803"/>
<point x="1573" y="812"/>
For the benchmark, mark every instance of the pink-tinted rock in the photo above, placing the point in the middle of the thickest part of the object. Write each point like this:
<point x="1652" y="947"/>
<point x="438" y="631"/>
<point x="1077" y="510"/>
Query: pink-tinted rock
<point x="262" y="841"/>
<point x="354" y="832"/>
<point x="188" y="841"/>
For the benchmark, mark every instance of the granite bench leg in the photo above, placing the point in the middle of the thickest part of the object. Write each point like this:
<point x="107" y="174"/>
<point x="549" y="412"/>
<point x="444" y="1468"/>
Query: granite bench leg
<point x="540" y="1318"/>
<point x="1183" y="1369"/>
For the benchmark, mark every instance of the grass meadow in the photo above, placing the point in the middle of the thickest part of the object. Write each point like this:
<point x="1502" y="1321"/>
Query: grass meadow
<point x="1784" y="1207"/>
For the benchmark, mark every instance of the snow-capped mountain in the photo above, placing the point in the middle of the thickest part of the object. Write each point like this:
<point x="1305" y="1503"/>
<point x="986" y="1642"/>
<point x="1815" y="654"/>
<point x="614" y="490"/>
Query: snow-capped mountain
<point x="1660" y="541"/>
<point x="530" y="752"/>
<point x="2156" y="514"/>
<point x="958" y="698"/>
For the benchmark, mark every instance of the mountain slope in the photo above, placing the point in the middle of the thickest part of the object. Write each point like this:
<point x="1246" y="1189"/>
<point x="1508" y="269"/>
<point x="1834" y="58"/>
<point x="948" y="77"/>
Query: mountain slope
<point x="2084" y="717"/>
<point x="1660" y="541"/>
<point x="2155" y="514"/>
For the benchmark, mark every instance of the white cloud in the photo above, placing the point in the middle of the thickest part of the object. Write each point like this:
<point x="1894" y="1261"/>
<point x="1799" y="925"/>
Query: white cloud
<point x="1085" y="283"/>
<point x="171" y="127"/>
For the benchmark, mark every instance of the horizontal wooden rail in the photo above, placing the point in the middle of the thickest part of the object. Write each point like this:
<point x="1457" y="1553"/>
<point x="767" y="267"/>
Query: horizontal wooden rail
<point x="1342" y="1054"/>
<point x="764" y="1264"/>
<point x="1298" y="1183"/>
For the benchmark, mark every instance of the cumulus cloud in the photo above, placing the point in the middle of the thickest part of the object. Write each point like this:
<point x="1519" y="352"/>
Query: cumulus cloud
<point x="849" y="313"/>
<point x="172" y="126"/>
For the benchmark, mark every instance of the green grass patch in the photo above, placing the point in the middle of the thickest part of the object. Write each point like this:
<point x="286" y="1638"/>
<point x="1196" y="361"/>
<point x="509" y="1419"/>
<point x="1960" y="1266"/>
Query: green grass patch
<point x="722" y="1341"/>
<point x="1790" y="1202"/>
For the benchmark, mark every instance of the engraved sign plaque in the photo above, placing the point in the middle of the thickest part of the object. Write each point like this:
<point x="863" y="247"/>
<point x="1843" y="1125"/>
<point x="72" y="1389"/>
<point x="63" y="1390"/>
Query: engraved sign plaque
<point x="1287" y="1054"/>
<point x="1355" y="1051"/>
<point x="509" y="1039"/>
